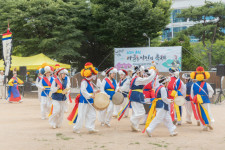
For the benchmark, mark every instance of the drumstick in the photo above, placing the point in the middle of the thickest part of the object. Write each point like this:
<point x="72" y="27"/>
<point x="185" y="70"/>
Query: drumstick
<point x="91" y="105"/>
<point x="95" y="85"/>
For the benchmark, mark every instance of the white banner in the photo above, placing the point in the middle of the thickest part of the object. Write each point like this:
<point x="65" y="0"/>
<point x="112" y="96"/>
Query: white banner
<point x="7" y="48"/>
<point x="164" y="57"/>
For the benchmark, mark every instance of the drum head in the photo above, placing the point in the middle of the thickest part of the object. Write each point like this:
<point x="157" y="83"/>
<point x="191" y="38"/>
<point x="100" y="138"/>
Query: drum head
<point x="101" y="101"/>
<point x="117" y="98"/>
<point x="179" y="100"/>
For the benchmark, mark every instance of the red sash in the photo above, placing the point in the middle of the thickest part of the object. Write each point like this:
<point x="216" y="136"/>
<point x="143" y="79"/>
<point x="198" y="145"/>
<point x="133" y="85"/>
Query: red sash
<point x="47" y="81"/>
<point x="132" y="81"/>
<point x="89" y="83"/>
<point x="202" y="84"/>
<point x="39" y="78"/>
<point x="156" y="93"/>
<point x="110" y="83"/>
<point x="59" y="83"/>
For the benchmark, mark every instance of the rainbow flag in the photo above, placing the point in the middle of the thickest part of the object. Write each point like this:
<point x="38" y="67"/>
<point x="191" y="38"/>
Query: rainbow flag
<point x="74" y="114"/>
<point x="7" y="36"/>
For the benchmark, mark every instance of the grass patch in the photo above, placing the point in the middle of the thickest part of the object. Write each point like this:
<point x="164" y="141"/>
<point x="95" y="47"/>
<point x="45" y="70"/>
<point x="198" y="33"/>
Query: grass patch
<point x="59" y="134"/>
<point x="156" y="144"/>
<point x="63" y="137"/>
<point x="102" y="146"/>
<point x="136" y="143"/>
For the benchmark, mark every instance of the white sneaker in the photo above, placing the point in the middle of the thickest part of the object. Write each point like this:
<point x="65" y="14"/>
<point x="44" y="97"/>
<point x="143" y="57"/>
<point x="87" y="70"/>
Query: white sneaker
<point x="43" y="118"/>
<point x="188" y="122"/>
<point x="210" y="127"/>
<point x="20" y="101"/>
<point x="108" y="125"/>
<point x="102" y="124"/>
<point x="54" y="126"/>
<point x="134" y="129"/>
<point x="174" y="133"/>
<point x="148" y="133"/>
<point x="93" y="131"/>
<point x="76" y="131"/>
<point x="205" y="129"/>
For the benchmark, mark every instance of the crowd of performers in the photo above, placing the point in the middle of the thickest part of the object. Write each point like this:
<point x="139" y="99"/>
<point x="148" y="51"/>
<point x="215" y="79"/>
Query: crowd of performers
<point x="141" y="87"/>
<point x="144" y="86"/>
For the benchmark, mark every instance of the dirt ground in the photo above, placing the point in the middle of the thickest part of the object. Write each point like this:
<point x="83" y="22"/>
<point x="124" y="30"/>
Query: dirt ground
<point x="22" y="129"/>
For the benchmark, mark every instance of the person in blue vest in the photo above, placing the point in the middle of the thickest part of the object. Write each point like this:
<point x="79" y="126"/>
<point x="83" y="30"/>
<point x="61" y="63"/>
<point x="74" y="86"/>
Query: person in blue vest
<point x="109" y="86"/>
<point x="124" y="87"/>
<point x="86" y="111"/>
<point x="189" y="105"/>
<point x="58" y="98"/>
<point x="136" y="95"/>
<point x="162" y="109"/>
<point x="201" y="91"/>
<point x="45" y="85"/>
<point x="37" y="83"/>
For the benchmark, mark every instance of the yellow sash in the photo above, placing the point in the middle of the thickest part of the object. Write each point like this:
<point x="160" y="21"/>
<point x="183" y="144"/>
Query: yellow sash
<point x="138" y="90"/>
<point x="152" y="112"/>
<point x="110" y="89"/>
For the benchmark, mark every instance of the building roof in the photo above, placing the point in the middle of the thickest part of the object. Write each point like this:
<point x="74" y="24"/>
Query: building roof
<point x="181" y="4"/>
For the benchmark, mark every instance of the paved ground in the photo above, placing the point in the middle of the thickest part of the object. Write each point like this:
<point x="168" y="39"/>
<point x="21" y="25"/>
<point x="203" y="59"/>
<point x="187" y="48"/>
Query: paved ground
<point x="22" y="129"/>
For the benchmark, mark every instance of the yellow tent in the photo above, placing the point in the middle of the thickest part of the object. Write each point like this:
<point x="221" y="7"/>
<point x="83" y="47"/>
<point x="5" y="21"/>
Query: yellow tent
<point x="32" y="62"/>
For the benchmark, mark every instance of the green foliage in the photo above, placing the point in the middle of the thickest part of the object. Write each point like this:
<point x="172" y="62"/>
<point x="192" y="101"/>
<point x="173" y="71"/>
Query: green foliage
<point x="121" y="23"/>
<point x="206" y="30"/>
<point x="190" y="61"/>
<point x="79" y="30"/>
<point x="218" y="51"/>
<point x="45" y="26"/>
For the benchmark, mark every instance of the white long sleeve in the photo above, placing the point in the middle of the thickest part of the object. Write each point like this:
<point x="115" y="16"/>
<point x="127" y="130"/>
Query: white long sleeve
<point x="125" y="87"/>
<point x="103" y="86"/>
<point x="210" y="90"/>
<point x="54" y="88"/>
<point x="146" y="80"/>
<point x="83" y="89"/>
<point x="99" y="83"/>
<point x="164" y="96"/>
<point x="192" y="91"/>
<point x="38" y="83"/>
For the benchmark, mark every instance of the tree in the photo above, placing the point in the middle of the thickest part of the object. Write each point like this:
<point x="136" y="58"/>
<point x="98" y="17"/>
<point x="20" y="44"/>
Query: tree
<point x="44" y="26"/>
<point x="190" y="61"/>
<point x="120" y="23"/>
<point x="210" y="20"/>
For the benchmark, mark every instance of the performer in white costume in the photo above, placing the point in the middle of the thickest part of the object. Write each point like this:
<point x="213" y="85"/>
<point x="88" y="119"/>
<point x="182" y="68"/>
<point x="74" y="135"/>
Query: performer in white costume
<point x="59" y="90"/>
<point x="109" y="86"/>
<point x="137" y="96"/>
<point x="45" y="85"/>
<point x="124" y="87"/>
<point x="86" y="111"/>
<point x="161" y="103"/>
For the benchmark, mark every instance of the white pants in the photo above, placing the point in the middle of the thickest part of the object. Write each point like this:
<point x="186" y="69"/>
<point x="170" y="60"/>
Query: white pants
<point x="85" y="113"/>
<point x="66" y="105"/>
<point x="106" y="115"/>
<point x="39" y="94"/>
<point x="118" y="108"/>
<point x="188" y="110"/>
<point x="57" y="114"/>
<point x="207" y="107"/>
<point x="161" y="116"/>
<point x="2" y="91"/>
<point x="138" y="112"/>
<point x="46" y="104"/>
